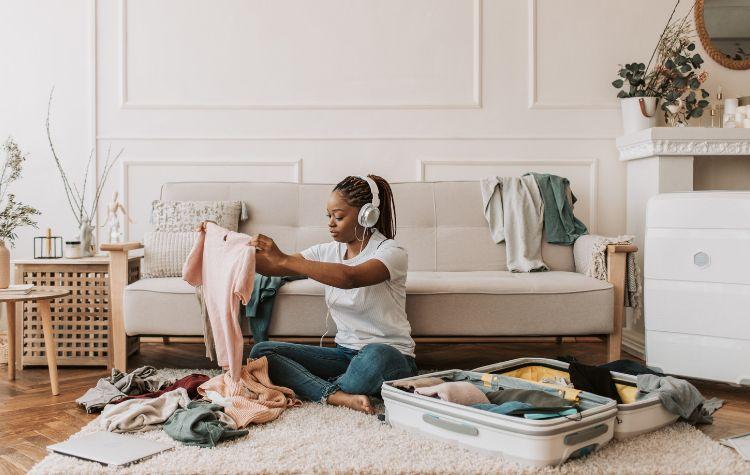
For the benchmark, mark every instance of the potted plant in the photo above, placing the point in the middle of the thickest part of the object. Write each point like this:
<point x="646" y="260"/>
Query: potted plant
<point x="669" y="78"/>
<point x="13" y="214"/>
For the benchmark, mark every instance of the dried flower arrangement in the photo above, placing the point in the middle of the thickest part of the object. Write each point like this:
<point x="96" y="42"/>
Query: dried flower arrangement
<point x="671" y="73"/>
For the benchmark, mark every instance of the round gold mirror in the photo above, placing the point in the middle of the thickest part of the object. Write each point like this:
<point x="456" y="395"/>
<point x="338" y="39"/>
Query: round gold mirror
<point x="724" y="30"/>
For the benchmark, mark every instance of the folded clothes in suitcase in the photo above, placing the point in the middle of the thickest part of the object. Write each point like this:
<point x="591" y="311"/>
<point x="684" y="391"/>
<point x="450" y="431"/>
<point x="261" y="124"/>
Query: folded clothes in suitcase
<point x="537" y="442"/>
<point x="637" y="414"/>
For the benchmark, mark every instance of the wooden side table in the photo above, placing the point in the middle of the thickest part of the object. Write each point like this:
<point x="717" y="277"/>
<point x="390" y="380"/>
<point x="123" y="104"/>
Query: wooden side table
<point x="81" y="321"/>
<point x="42" y="299"/>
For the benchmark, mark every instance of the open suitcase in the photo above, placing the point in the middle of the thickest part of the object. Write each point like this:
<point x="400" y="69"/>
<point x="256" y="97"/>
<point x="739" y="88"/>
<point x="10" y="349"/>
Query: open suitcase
<point x="634" y="416"/>
<point x="527" y="441"/>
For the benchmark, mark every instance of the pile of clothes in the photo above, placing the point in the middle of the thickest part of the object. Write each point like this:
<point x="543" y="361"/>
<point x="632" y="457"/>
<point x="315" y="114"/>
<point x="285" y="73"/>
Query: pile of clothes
<point x="526" y="403"/>
<point x="195" y="410"/>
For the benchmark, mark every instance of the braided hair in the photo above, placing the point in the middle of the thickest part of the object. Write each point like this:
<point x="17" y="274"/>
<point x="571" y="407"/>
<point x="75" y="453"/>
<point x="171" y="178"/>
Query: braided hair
<point x="356" y="192"/>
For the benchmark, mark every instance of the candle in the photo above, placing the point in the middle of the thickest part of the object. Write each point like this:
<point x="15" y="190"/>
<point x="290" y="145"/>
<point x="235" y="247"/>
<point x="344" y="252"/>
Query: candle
<point x="730" y="105"/>
<point x="746" y="123"/>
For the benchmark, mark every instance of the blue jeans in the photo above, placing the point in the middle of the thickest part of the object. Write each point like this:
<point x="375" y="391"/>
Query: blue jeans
<point x="314" y="373"/>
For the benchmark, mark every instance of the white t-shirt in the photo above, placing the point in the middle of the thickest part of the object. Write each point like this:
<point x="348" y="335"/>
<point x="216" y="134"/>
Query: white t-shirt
<point x="372" y="314"/>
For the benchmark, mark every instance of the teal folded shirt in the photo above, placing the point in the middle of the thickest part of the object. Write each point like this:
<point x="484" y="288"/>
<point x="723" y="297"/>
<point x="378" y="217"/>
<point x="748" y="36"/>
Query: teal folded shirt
<point x="560" y="224"/>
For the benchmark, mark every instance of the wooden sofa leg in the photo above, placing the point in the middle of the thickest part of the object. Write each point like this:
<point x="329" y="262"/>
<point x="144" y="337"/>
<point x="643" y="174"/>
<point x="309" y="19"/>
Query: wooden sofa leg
<point x="118" y="280"/>
<point x="616" y="268"/>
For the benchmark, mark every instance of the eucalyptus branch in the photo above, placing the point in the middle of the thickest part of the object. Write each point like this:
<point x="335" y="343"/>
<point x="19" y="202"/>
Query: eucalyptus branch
<point x="672" y="74"/>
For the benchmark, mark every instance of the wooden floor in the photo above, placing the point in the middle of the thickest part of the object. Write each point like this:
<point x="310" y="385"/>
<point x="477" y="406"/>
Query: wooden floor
<point x="31" y="418"/>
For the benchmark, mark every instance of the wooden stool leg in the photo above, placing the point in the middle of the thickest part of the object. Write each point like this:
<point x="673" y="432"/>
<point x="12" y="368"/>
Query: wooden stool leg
<point x="50" y="348"/>
<point x="10" y="311"/>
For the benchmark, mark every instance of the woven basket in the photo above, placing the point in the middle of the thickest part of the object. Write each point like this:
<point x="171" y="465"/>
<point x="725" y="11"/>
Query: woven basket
<point x="3" y="347"/>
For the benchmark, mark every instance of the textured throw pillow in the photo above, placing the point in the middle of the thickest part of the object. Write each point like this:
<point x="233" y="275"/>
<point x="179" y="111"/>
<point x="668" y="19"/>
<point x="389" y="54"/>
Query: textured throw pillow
<point x="185" y="216"/>
<point x="164" y="253"/>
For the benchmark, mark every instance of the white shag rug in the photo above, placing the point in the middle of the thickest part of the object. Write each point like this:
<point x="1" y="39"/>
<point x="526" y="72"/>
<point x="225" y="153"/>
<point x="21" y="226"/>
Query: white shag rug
<point x="325" y="439"/>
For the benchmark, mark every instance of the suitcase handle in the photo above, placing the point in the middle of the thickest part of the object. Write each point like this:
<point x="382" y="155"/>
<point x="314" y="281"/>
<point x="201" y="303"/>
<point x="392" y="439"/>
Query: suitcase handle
<point x="581" y="436"/>
<point x="459" y="427"/>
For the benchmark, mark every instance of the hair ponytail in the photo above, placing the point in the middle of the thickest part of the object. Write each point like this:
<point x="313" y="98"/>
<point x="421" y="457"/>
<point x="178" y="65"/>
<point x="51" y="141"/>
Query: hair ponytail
<point x="356" y="192"/>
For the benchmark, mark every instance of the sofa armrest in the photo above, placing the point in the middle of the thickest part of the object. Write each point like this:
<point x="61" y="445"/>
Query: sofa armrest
<point x="593" y="250"/>
<point x="120" y="246"/>
<point x="119" y="277"/>
<point x="616" y="275"/>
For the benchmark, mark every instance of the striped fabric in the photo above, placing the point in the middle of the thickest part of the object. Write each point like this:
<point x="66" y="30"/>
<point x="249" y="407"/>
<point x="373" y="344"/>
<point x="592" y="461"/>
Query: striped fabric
<point x="165" y="252"/>
<point x="253" y="398"/>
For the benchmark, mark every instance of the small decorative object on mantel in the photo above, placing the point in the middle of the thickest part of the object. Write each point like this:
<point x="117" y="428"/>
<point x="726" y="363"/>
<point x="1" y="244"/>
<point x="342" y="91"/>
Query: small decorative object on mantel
<point x="13" y="214"/>
<point x="669" y="78"/>
<point x="77" y="199"/>
<point x="48" y="246"/>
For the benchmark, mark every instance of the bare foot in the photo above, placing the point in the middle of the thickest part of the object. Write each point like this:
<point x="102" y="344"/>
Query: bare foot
<point x="358" y="402"/>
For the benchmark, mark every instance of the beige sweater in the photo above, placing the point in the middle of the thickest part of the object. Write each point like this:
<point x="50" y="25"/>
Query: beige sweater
<point x="252" y="399"/>
<point x="137" y="415"/>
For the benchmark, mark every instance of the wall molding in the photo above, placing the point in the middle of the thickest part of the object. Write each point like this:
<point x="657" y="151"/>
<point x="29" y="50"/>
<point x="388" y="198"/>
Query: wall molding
<point x="591" y="163"/>
<point x="126" y="165"/>
<point x="634" y="342"/>
<point x="126" y="103"/>
<point x="248" y="138"/>
<point x="533" y="92"/>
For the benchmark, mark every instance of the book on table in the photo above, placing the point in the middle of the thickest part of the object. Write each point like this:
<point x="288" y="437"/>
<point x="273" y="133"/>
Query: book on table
<point x="17" y="289"/>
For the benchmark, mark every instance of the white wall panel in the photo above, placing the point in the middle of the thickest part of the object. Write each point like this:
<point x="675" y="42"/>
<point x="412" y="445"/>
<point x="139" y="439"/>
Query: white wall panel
<point x="297" y="54"/>
<point x="142" y="181"/>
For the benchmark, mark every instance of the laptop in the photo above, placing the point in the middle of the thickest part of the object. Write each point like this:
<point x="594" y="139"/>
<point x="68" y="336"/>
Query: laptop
<point x="109" y="448"/>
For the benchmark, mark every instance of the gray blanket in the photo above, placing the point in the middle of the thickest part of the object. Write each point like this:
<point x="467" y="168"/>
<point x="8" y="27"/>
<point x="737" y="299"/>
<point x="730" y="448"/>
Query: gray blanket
<point x="515" y="213"/>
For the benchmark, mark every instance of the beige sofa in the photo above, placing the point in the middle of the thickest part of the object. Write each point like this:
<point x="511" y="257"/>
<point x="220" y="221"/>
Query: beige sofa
<point x="457" y="285"/>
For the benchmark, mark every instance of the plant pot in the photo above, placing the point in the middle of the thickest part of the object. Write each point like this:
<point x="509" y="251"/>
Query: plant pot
<point x="638" y="113"/>
<point x="4" y="266"/>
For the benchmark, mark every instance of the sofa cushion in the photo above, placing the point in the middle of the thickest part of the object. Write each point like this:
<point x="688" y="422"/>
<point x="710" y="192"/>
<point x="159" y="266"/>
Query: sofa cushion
<point x="185" y="216"/>
<point x="481" y="303"/>
<point x="508" y="304"/>
<point x="164" y="253"/>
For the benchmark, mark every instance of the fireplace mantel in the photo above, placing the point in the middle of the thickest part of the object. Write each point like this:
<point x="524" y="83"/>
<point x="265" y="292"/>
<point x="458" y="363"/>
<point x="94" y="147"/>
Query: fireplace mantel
<point x="683" y="141"/>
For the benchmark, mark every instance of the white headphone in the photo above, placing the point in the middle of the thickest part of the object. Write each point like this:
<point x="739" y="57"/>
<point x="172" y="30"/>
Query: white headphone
<point x="369" y="213"/>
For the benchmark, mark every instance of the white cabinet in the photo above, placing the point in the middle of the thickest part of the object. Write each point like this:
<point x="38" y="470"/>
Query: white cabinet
<point x="697" y="285"/>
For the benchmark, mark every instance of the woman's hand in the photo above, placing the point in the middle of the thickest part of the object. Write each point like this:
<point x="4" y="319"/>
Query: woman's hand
<point x="267" y="248"/>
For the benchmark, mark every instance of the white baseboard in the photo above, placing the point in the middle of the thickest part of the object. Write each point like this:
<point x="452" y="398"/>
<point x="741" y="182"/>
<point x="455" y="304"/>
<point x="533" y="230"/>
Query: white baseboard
<point x="634" y="342"/>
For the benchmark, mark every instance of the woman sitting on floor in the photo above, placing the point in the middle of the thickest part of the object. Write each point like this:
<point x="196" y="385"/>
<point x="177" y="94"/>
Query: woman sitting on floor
<point x="364" y="272"/>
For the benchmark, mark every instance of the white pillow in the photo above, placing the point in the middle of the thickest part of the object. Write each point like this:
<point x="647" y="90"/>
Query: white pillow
<point x="185" y="216"/>
<point x="164" y="253"/>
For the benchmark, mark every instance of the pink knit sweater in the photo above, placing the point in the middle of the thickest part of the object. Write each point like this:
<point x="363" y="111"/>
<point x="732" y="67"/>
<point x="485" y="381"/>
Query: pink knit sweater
<point x="223" y="262"/>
